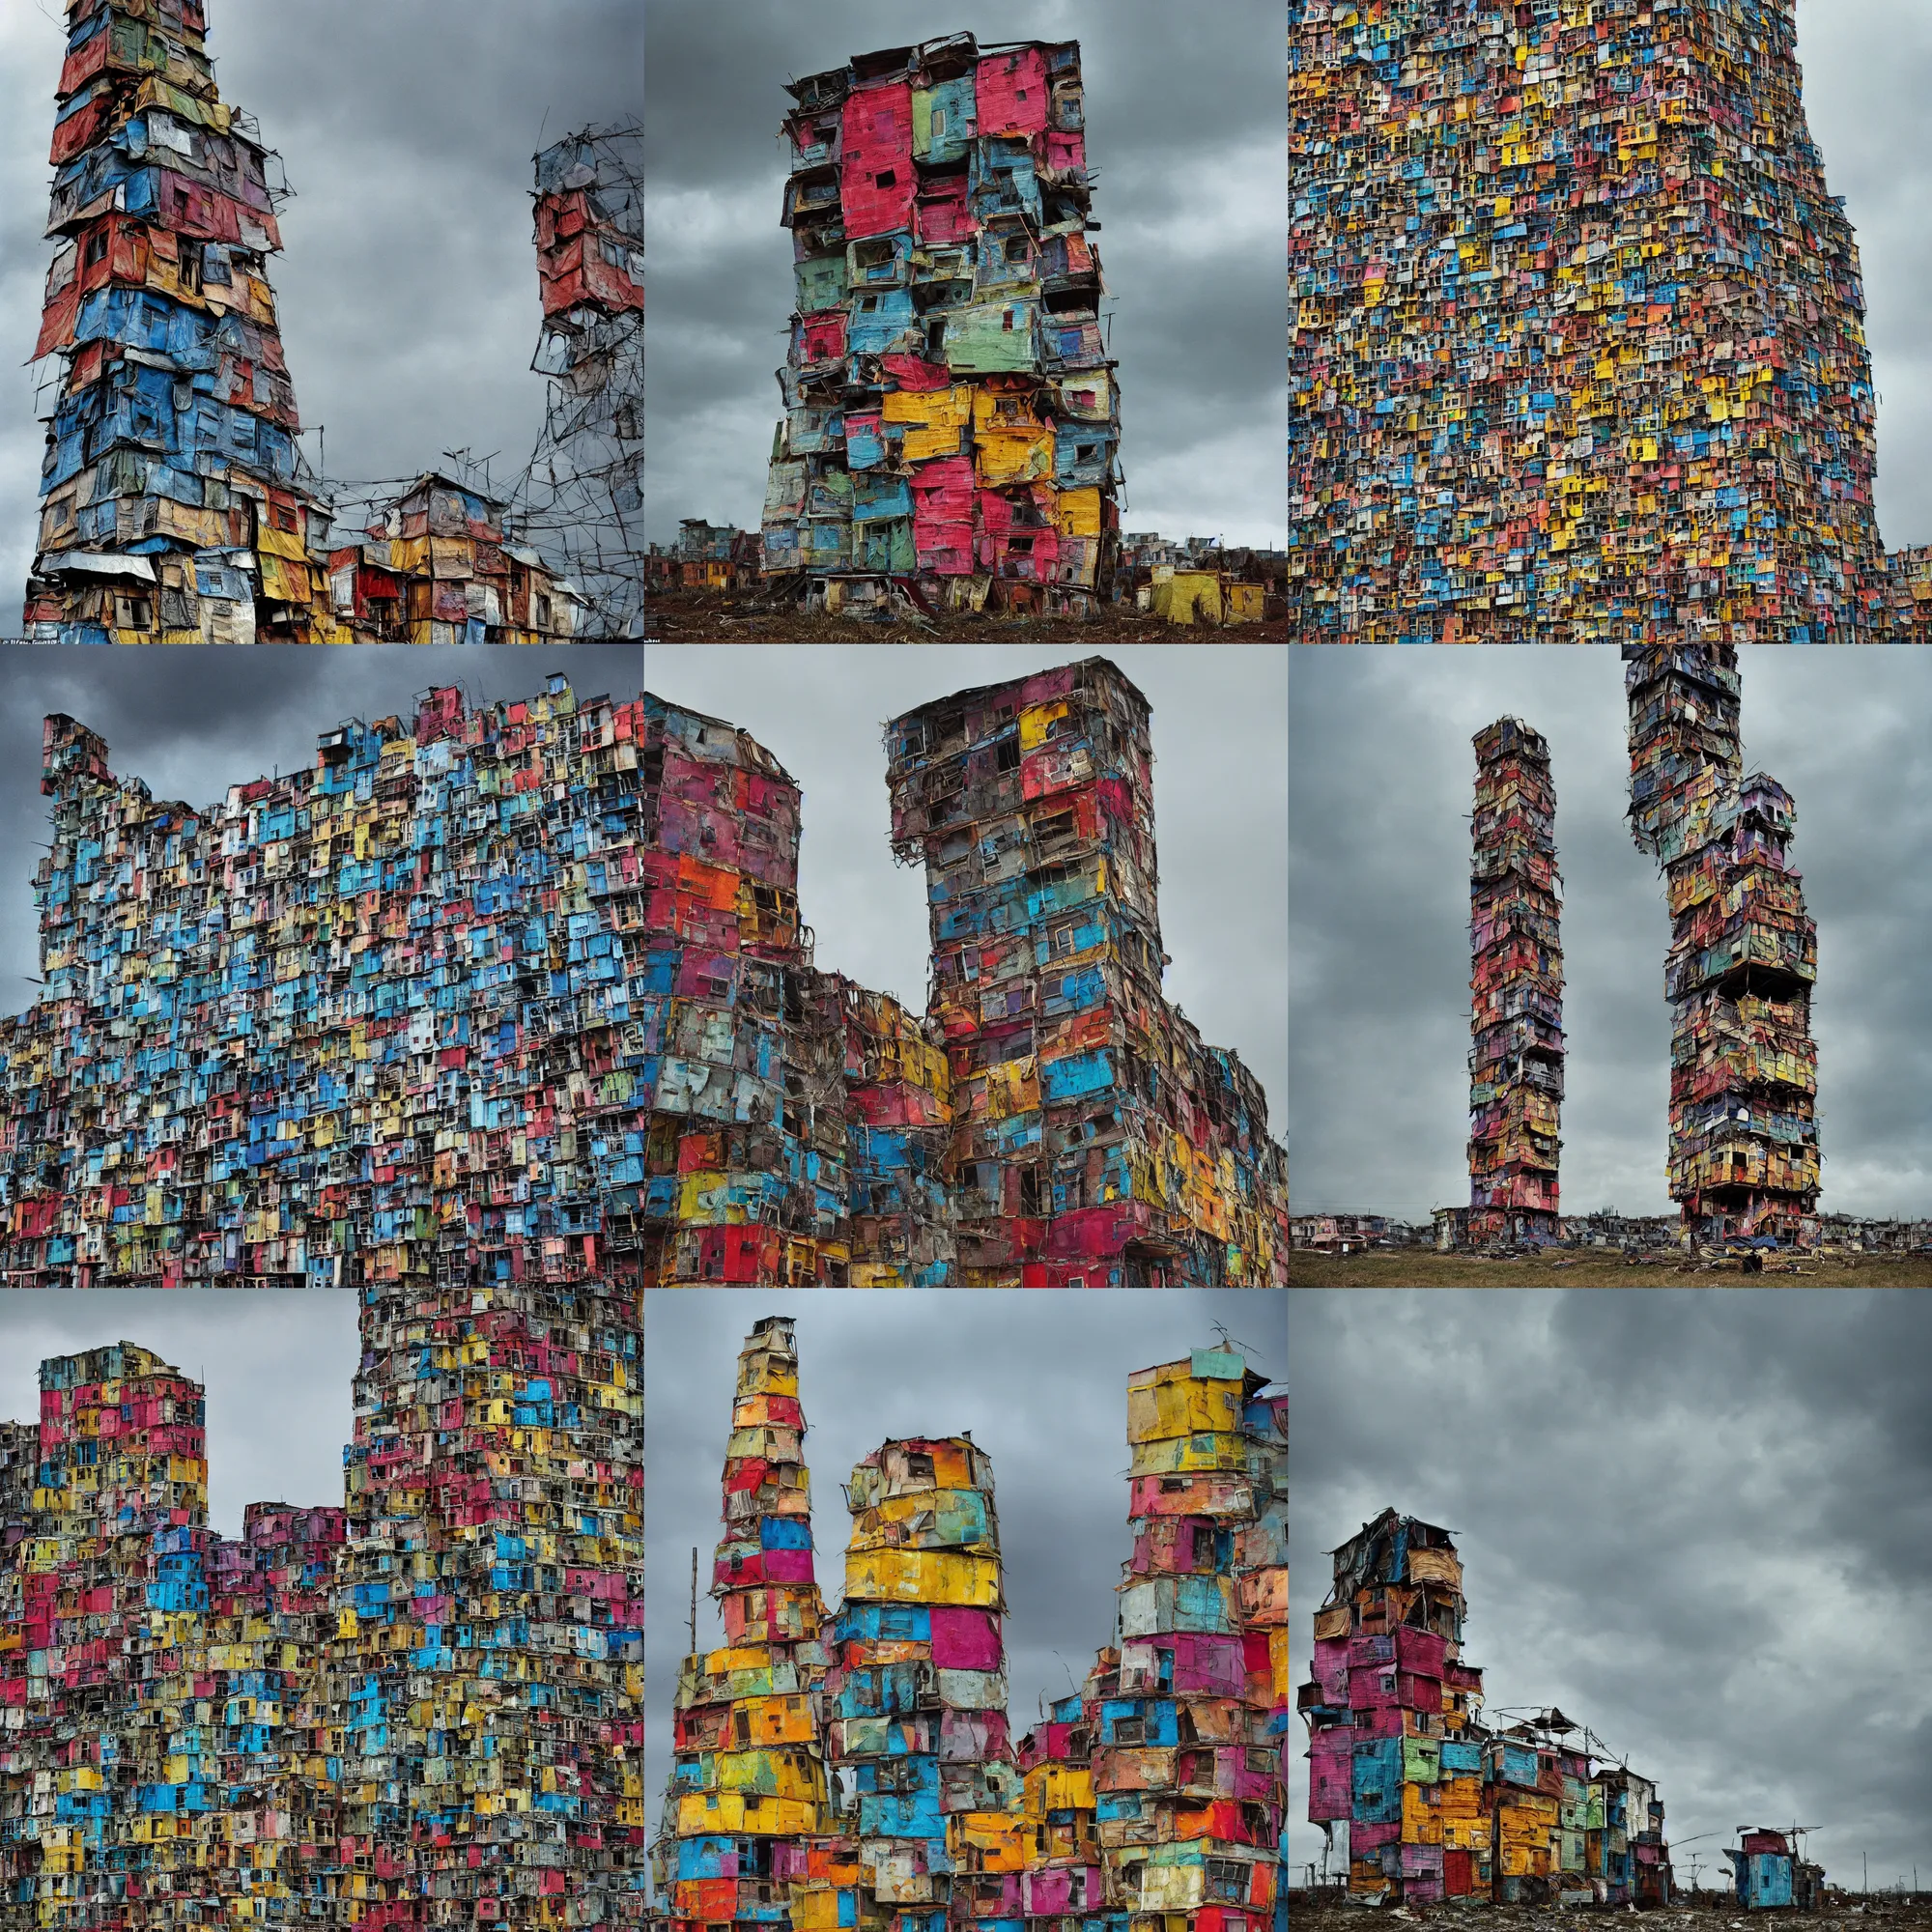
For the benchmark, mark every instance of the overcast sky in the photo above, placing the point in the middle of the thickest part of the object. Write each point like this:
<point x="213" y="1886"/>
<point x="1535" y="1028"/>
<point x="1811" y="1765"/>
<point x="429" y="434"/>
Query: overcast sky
<point x="1039" y="1377"/>
<point x="193" y="719"/>
<point x="1698" y="1520"/>
<point x="1220" y="745"/>
<point x="408" y="288"/>
<point x="1381" y="796"/>
<point x="1186" y="139"/>
<point x="277" y="1367"/>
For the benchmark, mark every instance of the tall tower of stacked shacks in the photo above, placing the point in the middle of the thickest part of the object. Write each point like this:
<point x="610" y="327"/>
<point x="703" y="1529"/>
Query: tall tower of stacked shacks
<point x="1390" y="1713"/>
<point x="746" y="1807"/>
<point x="952" y="415"/>
<point x="798" y="1122"/>
<point x="1182" y="1710"/>
<point x="1097" y="1140"/>
<point x="176" y="507"/>
<point x="487" y="1666"/>
<point x="1050" y="1121"/>
<point x="1154" y="1793"/>
<point x="1515" y="1052"/>
<point x="582" y="492"/>
<point x="1744" y="1075"/>
<point x="1437" y="1805"/>
<point x="1579" y="335"/>
<point x="917" y="1695"/>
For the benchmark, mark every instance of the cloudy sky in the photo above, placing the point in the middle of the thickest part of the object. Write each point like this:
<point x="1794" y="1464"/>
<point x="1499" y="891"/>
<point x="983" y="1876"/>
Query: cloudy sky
<point x="1186" y="138"/>
<point x="408" y="288"/>
<point x="1697" y="1521"/>
<point x="277" y="1369"/>
<point x="1382" y="774"/>
<point x="1039" y="1379"/>
<point x="194" y="720"/>
<point x="1220" y="803"/>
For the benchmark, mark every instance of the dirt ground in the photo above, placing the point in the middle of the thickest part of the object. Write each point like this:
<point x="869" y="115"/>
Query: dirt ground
<point x="1309" y="1912"/>
<point x="1425" y="1269"/>
<point x="698" y="617"/>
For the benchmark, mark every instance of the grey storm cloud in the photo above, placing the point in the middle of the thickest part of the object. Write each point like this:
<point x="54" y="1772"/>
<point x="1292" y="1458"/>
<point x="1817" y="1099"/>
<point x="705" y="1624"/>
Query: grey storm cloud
<point x="277" y="1369"/>
<point x="1696" y="1520"/>
<point x="1038" y="1378"/>
<point x="1381" y="776"/>
<point x="191" y="721"/>
<point x="1186" y="134"/>
<point x="1220" y="792"/>
<point x="407" y="285"/>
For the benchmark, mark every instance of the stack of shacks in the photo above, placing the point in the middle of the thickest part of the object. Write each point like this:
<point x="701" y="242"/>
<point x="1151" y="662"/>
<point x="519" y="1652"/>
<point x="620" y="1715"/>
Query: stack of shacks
<point x="747" y="1813"/>
<point x="435" y="566"/>
<point x="1391" y="1713"/>
<point x="1051" y="1120"/>
<point x="1623" y="1842"/>
<point x="1097" y="1140"/>
<point x="916" y="1695"/>
<point x="583" y="488"/>
<point x="485" y="1672"/>
<point x="1437" y="1805"/>
<point x="1260" y="1601"/>
<point x="1580" y="346"/>
<point x="1743" y="1157"/>
<point x="1151" y="1802"/>
<point x="798" y="1122"/>
<point x="952" y="417"/>
<point x="1189" y="1789"/>
<point x="1516" y="1053"/>
<point x="423" y="1710"/>
<point x="1065" y="1879"/>
<point x="380" y="1017"/>
<point x="176" y="506"/>
<point x="162" y="1731"/>
<point x="528" y="983"/>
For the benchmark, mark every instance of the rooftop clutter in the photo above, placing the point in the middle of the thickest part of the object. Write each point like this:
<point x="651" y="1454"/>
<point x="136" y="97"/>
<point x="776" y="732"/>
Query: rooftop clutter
<point x="176" y="507"/>
<point x="1744" y="1154"/>
<point x="1436" y="1804"/>
<point x="1096" y="1140"/>
<point x="1515" y="1028"/>
<point x="951" y="416"/>
<point x="378" y="1025"/>
<point x="1152" y="1798"/>
<point x="1579" y="351"/>
<point x="421" y="1704"/>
